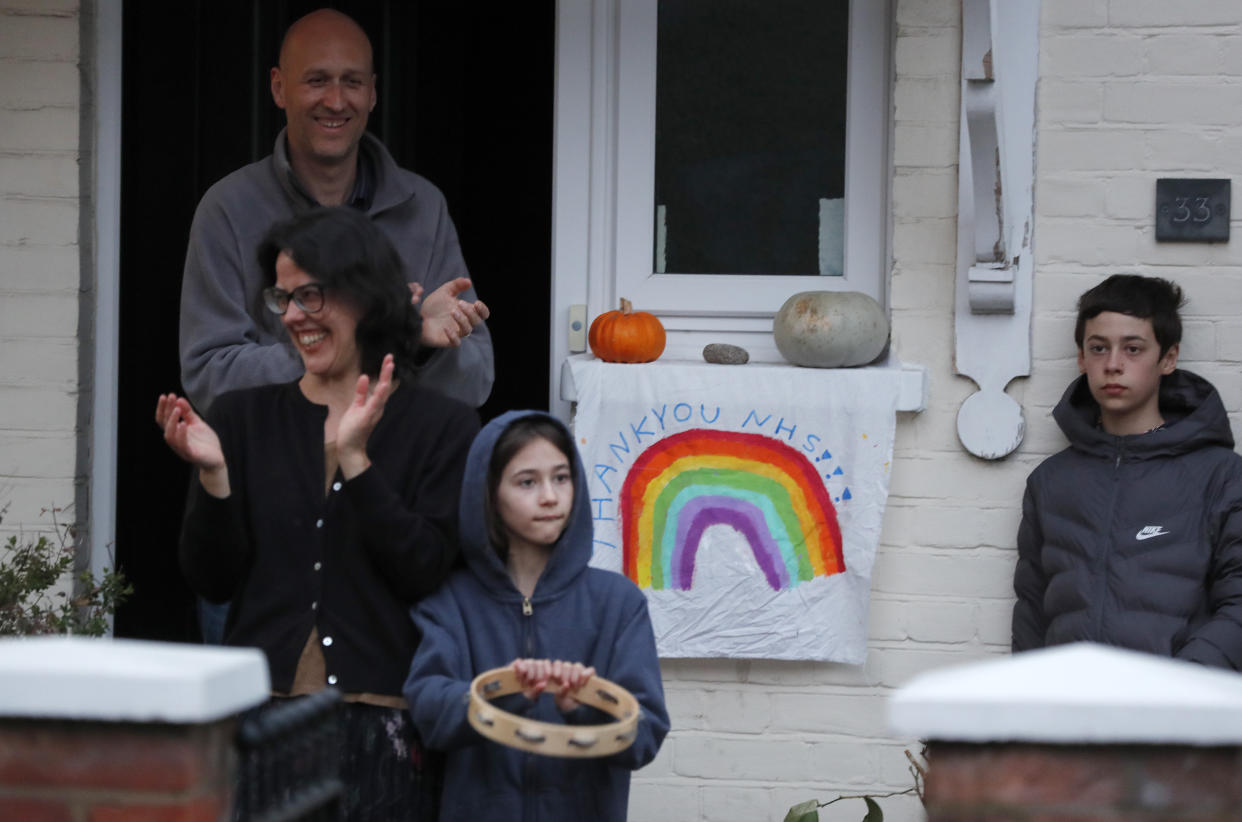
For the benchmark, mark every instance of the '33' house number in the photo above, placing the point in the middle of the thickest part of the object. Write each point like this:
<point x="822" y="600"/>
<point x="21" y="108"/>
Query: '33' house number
<point x="1192" y="210"/>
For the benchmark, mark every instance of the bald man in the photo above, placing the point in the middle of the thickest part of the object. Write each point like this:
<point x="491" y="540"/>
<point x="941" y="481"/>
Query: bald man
<point x="325" y="84"/>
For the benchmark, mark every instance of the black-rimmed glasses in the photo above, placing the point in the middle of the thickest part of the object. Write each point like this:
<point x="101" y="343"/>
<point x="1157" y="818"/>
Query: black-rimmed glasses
<point x="307" y="297"/>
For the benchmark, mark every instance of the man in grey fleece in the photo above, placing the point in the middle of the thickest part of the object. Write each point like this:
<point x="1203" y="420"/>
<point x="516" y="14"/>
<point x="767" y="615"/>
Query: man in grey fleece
<point x="326" y="86"/>
<point x="323" y="157"/>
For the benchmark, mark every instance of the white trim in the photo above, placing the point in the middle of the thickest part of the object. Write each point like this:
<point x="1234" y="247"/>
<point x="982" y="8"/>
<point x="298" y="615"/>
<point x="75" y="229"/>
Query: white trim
<point x="1075" y="694"/>
<point x="126" y="680"/>
<point x="106" y="199"/>
<point x="912" y="379"/>
<point x="580" y="145"/>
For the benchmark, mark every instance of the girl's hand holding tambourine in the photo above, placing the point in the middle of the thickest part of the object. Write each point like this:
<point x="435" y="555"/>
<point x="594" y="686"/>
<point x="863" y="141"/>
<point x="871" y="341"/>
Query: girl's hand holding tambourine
<point x="559" y="678"/>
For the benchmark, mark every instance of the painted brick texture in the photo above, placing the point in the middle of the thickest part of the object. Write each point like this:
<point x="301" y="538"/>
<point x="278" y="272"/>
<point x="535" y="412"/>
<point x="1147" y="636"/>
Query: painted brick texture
<point x="1087" y="782"/>
<point x="39" y="263"/>
<point x="105" y="772"/>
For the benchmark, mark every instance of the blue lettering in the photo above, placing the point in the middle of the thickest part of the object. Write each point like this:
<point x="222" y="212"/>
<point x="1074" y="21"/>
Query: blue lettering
<point x="618" y="449"/>
<point x="638" y="430"/>
<point x="703" y="415"/>
<point x="780" y="426"/>
<point x="659" y="415"/>
<point x="758" y="422"/>
<point x="600" y="471"/>
<point x="811" y="441"/>
<point x="679" y="406"/>
<point x="599" y="509"/>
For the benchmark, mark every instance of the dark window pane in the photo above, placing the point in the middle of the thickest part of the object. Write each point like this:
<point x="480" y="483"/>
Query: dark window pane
<point x="750" y="136"/>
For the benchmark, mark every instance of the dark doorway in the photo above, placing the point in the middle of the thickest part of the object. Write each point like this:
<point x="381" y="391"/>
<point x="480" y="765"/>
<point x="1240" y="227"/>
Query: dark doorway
<point x="465" y="100"/>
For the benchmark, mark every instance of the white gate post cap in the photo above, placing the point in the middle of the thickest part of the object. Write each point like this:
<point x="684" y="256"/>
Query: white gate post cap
<point x="124" y="680"/>
<point x="1080" y="693"/>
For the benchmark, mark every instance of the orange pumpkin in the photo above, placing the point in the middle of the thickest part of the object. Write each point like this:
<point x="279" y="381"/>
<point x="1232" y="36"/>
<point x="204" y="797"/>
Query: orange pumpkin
<point x="626" y="335"/>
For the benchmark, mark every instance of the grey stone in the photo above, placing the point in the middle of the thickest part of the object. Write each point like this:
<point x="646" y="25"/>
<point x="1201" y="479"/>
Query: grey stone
<point x="725" y="354"/>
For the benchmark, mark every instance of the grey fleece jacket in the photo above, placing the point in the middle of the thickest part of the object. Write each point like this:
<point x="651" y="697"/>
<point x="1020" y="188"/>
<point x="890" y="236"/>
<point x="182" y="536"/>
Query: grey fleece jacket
<point x="1136" y="541"/>
<point x="228" y="341"/>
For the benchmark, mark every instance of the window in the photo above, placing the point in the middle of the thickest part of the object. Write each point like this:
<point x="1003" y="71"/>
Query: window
<point x="750" y="137"/>
<point x="751" y="152"/>
<point x="609" y="236"/>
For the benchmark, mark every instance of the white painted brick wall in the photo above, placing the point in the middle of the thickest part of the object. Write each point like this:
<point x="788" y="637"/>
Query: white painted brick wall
<point x="39" y="265"/>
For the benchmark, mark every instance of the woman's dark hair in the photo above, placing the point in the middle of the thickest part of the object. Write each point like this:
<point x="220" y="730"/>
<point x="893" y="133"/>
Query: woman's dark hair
<point x="1148" y="298"/>
<point x="513" y="439"/>
<point x="345" y="252"/>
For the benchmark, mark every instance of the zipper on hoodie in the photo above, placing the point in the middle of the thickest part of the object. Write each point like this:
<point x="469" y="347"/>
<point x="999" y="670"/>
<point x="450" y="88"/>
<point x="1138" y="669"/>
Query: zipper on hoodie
<point x="1101" y="593"/>
<point x="530" y="771"/>
<point x="528" y="628"/>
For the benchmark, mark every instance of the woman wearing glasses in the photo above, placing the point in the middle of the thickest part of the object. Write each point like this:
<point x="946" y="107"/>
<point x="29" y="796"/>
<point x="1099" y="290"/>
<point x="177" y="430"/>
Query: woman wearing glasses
<point x="324" y="508"/>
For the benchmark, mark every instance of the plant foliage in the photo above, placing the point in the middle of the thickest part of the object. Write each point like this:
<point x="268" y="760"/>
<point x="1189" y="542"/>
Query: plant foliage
<point x="808" y="811"/>
<point x="31" y="568"/>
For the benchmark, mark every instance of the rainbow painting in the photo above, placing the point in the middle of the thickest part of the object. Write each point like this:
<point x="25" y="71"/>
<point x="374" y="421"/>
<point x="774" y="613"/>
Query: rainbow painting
<point x="767" y="491"/>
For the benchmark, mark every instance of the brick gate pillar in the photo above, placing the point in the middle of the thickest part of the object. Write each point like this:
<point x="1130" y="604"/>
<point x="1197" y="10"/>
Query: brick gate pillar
<point x="1079" y="732"/>
<point x="101" y="730"/>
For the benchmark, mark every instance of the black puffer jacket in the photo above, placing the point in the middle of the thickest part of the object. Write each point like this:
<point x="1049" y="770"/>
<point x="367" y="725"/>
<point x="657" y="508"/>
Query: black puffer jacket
<point x="1136" y="541"/>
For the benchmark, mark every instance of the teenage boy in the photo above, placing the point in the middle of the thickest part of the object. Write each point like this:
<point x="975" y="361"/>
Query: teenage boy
<point x="1132" y="536"/>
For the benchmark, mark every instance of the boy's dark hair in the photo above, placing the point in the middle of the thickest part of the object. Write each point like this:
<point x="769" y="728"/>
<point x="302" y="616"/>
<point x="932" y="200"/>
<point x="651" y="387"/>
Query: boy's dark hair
<point x="345" y="252"/>
<point x="519" y="432"/>
<point x="1148" y="298"/>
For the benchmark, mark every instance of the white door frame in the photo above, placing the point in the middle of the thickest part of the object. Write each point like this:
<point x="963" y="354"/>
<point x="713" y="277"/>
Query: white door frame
<point x="105" y="198"/>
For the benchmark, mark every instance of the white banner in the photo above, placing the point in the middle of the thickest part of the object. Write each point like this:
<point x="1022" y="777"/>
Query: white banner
<point x="746" y="501"/>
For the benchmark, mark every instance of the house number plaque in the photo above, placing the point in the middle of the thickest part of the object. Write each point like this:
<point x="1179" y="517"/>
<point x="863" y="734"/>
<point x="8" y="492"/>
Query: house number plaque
<point x="1192" y="210"/>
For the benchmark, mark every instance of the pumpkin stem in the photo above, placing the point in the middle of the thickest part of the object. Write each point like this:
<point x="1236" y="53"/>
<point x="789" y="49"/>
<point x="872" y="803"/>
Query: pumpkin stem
<point x="626" y="306"/>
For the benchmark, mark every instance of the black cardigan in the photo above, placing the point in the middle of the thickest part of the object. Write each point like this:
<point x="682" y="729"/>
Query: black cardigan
<point x="351" y="563"/>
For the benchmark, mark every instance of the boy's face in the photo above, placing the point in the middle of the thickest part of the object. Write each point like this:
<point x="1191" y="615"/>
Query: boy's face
<point x="1123" y="364"/>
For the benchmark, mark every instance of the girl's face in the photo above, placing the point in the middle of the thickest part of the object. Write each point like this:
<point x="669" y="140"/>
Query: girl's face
<point x="535" y="494"/>
<point x="324" y="338"/>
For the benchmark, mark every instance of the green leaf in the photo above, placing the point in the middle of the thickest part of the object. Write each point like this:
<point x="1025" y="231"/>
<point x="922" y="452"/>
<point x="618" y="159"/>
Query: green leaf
<point x="874" y="814"/>
<point x="807" y="811"/>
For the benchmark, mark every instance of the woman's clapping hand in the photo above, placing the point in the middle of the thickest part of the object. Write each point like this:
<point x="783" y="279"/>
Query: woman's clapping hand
<point x="192" y="439"/>
<point x="360" y="419"/>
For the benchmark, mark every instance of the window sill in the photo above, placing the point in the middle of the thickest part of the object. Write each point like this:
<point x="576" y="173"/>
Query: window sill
<point x="912" y="394"/>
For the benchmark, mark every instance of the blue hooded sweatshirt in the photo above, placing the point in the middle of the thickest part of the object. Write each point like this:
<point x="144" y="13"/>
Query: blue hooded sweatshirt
<point x="478" y="620"/>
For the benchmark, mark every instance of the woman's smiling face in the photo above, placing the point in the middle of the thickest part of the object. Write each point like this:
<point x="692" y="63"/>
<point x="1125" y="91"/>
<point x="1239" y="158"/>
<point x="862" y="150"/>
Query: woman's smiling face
<point x="325" y="339"/>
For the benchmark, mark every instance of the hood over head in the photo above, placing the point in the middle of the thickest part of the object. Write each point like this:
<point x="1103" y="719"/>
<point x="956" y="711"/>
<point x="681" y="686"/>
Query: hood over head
<point x="570" y="554"/>
<point x="1194" y="417"/>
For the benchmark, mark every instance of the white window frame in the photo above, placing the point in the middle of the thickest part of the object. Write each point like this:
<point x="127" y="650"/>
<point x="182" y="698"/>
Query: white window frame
<point x="748" y="295"/>
<point x="604" y="183"/>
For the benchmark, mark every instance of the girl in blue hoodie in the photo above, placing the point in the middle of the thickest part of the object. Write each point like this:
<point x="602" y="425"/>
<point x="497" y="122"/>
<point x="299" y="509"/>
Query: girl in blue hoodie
<point x="527" y="598"/>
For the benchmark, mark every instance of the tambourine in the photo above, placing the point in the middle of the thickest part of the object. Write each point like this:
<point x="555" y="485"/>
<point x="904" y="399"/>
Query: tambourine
<point x="548" y="738"/>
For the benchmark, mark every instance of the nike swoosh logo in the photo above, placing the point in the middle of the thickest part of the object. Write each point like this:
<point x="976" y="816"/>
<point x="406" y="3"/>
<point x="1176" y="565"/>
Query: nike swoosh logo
<point x="1151" y="531"/>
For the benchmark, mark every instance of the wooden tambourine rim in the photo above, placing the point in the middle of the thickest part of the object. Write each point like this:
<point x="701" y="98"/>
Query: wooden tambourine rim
<point x="548" y="738"/>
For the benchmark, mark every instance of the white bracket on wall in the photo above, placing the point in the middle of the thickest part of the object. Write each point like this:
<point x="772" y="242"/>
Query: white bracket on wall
<point x="1000" y="50"/>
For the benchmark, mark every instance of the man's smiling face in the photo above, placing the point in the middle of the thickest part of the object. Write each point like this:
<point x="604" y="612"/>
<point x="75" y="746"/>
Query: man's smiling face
<point x="326" y="86"/>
